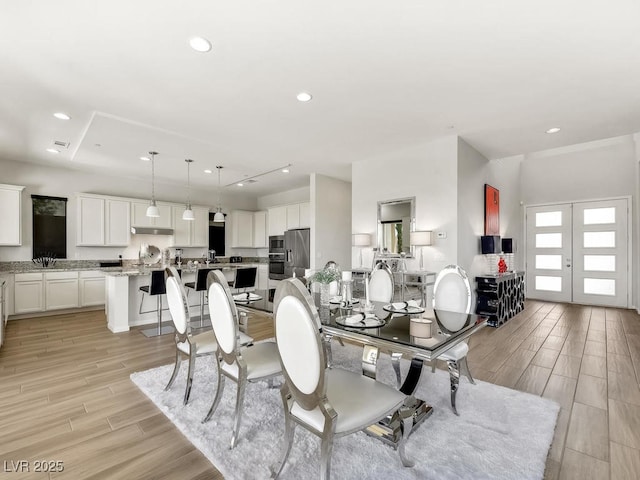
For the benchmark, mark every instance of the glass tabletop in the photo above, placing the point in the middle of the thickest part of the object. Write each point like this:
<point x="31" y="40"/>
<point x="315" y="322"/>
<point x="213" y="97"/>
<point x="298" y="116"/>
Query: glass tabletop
<point x="399" y="330"/>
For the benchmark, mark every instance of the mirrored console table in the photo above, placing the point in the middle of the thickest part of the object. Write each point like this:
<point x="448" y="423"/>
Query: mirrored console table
<point x="409" y="284"/>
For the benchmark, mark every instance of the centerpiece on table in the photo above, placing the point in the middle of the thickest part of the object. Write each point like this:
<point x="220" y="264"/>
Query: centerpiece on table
<point x="329" y="275"/>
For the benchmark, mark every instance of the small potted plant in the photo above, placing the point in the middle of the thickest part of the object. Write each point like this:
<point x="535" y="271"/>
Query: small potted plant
<point x="325" y="277"/>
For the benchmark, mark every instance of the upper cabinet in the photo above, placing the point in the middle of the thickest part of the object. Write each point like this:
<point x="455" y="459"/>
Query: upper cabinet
<point x="190" y="233"/>
<point x="277" y="220"/>
<point x="10" y="214"/>
<point x="139" y="215"/>
<point x="102" y="221"/>
<point x="287" y="217"/>
<point x="241" y="229"/>
<point x="260" y="239"/>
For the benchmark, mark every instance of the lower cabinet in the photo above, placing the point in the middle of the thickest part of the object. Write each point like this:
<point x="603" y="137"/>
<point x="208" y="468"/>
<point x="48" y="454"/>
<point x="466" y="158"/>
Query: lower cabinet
<point x="262" y="278"/>
<point x="92" y="288"/>
<point x="43" y="291"/>
<point x="61" y="290"/>
<point x="28" y="291"/>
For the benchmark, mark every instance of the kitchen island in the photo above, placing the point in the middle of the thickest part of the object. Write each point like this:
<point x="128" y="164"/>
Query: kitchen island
<point x="123" y="295"/>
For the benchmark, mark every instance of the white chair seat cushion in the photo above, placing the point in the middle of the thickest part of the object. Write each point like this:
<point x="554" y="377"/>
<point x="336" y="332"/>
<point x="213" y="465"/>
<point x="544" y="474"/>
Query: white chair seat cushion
<point x="206" y="342"/>
<point x="262" y="361"/>
<point x="358" y="400"/>
<point x="455" y="353"/>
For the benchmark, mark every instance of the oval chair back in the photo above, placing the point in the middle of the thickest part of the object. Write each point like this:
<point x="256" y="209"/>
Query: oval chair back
<point x="224" y="315"/>
<point x="381" y="284"/>
<point x="300" y="345"/>
<point x="452" y="291"/>
<point x="177" y="300"/>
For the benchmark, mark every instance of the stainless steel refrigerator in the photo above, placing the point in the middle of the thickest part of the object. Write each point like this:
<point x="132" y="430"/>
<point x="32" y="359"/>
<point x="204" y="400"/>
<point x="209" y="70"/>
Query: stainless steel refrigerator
<point x="297" y="252"/>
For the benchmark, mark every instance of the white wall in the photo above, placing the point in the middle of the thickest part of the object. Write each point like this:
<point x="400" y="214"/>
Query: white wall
<point x="60" y="182"/>
<point x="473" y="173"/>
<point x="296" y="195"/>
<point x="427" y="172"/>
<point x="330" y="221"/>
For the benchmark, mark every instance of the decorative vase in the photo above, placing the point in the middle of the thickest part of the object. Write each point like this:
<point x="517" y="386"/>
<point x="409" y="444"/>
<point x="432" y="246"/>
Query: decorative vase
<point x="325" y="294"/>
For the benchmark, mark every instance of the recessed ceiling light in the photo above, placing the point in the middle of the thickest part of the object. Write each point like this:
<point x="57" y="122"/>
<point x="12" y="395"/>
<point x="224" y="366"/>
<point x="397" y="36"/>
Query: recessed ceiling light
<point x="240" y="184"/>
<point x="52" y="150"/>
<point x="207" y="171"/>
<point x="145" y="159"/>
<point x="285" y="170"/>
<point x="304" y="97"/>
<point x="200" y="44"/>
<point x="62" y="116"/>
<point x="553" y="130"/>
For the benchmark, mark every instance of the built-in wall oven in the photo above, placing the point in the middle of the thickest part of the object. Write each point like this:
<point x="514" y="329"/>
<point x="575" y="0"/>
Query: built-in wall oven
<point x="276" y="257"/>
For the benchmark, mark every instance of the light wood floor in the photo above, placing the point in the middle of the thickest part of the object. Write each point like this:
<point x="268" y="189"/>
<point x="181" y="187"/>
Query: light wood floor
<point x="65" y="393"/>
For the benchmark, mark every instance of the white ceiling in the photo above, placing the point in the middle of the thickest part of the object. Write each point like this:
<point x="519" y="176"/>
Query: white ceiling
<point x="385" y="76"/>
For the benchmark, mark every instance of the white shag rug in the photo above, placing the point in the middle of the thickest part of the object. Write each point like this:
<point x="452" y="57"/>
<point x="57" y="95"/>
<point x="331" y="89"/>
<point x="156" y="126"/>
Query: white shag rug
<point x="500" y="433"/>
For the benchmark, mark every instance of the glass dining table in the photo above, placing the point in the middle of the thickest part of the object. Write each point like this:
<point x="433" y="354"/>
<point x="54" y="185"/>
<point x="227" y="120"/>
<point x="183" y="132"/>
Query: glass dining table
<point x="395" y="330"/>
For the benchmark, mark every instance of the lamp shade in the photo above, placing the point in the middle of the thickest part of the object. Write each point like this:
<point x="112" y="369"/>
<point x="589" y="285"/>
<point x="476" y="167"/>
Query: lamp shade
<point x="188" y="213"/>
<point x="421" y="238"/>
<point x="490" y="244"/>
<point x="152" y="210"/>
<point x="508" y="245"/>
<point x="361" y="239"/>
<point x="218" y="217"/>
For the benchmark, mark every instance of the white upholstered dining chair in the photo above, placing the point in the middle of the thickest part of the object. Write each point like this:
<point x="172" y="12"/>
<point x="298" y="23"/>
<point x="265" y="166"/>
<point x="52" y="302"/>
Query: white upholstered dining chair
<point x="240" y="364"/>
<point x="187" y="344"/>
<point x="452" y="292"/>
<point x="381" y="284"/>
<point x="329" y="402"/>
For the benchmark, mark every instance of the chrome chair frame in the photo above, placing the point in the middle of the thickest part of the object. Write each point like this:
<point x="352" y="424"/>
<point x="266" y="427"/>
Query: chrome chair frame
<point x="292" y="292"/>
<point x="456" y="363"/>
<point x="231" y="351"/>
<point x="181" y="317"/>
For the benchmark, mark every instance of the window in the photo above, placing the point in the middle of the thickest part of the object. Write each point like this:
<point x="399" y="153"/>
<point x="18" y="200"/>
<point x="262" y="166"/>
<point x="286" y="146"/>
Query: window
<point x="49" y="226"/>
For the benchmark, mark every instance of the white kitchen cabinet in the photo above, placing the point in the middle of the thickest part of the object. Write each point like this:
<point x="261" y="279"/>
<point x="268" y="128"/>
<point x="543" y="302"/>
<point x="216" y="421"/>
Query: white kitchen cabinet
<point x="118" y="222"/>
<point x="90" y="222"/>
<point x="102" y="221"/>
<point x="92" y="288"/>
<point x="61" y="290"/>
<point x="305" y="215"/>
<point x="262" y="278"/>
<point x="190" y="233"/>
<point x="28" y="293"/>
<point x="277" y="220"/>
<point x="11" y="214"/>
<point x="139" y="215"/>
<point x="293" y="216"/>
<point x="260" y="229"/>
<point x="241" y="229"/>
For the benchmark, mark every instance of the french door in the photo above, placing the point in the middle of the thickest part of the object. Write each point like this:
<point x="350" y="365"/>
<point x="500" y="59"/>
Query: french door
<point x="578" y="252"/>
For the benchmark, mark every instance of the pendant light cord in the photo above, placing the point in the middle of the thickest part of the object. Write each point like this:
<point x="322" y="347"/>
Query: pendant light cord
<point x="153" y="174"/>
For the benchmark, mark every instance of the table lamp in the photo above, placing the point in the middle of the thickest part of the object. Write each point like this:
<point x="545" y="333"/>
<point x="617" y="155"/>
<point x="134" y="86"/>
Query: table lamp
<point x="421" y="239"/>
<point x="361" y="240"/>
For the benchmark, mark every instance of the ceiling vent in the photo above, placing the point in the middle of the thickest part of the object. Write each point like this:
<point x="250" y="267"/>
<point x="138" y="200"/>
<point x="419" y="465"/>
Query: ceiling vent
<point x="60" y="144"/>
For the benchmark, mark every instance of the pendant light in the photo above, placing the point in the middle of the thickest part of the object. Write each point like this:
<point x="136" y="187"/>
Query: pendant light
<point x="152" y="209"/>
<point x="188" y="212"/>
<point x="219" y="216"/>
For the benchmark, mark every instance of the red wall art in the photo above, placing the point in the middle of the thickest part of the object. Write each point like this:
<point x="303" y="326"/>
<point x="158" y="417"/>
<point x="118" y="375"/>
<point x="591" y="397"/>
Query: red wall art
<point x="491" y="210"/>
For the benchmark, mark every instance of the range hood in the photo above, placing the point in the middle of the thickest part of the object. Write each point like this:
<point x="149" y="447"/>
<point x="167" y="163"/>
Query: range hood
<point x="151" y="231"/>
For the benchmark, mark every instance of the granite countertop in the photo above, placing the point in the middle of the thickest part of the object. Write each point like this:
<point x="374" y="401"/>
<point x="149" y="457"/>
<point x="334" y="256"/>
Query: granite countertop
<point x="126" y="269"/>
<point x="133" y="271"/>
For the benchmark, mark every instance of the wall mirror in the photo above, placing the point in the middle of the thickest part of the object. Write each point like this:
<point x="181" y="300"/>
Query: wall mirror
<point x="395" y="222"/>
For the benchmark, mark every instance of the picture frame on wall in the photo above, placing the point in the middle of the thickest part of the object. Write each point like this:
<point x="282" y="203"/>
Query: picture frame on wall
<point x="491" y="210"/>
